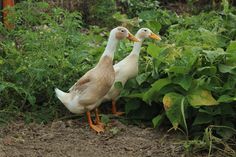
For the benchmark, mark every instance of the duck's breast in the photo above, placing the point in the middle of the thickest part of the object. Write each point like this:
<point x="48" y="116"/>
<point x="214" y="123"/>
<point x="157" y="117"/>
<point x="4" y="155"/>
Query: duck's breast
<point x="103" y="77"/>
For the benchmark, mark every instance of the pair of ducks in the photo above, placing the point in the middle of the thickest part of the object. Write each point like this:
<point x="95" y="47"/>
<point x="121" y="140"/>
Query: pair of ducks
<point x="97" y="85"/>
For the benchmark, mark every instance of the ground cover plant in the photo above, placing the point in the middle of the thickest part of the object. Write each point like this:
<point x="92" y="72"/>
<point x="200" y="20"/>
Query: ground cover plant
<point x="186" y="81"/>
<point x="193" y="75"/>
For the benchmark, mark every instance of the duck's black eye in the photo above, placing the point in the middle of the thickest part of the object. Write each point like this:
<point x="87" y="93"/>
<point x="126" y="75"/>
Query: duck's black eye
<point x="122" y="31"/>
<point x="145" y="30"/>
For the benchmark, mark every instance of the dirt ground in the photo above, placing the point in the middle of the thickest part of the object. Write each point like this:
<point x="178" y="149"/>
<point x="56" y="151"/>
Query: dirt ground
<point x="72" y="138"/>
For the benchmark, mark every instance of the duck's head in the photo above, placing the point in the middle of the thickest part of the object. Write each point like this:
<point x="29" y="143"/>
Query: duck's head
<point x="121" y="33"/>
<point x="144" y="33"/>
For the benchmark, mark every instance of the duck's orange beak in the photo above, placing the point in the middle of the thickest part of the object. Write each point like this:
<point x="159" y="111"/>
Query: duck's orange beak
<point x="154" y="36"/>
<point x="132" y="37"/>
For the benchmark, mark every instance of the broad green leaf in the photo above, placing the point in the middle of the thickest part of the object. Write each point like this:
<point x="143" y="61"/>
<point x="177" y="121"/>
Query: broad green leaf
<point x="131" y="83"/>
<point x="125" y="93"/>
<point x="156" y="87"/>
<point x="227" y="69"/>
<point x="142" y="77"/>
<point x="178" y="69"/>
<point x="134" y="95"/>
<point x="158" y="120"/>
<point x="226" y="99"/>
<point x="207" y="70"/>
<point x="201" y="97"/>
<point x="202" y="118"/>
<point x="154" y="26"/>
<point x="154" y="50"/>
<point x="172" y="105"/>
<point x="184" y="81"/>
<point x="231" y="49"/>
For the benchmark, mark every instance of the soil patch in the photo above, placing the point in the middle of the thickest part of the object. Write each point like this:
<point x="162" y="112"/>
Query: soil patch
<point x="75" y="139"/>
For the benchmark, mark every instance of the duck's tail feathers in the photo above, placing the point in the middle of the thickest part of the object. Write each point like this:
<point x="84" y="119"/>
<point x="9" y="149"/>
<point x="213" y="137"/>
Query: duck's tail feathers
<point x="62" y="96"/>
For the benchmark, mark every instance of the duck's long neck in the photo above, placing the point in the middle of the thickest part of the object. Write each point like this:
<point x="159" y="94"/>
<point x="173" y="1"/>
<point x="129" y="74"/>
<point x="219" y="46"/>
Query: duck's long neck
<point x="111" y="47"/>
<point x="137" y="47"/>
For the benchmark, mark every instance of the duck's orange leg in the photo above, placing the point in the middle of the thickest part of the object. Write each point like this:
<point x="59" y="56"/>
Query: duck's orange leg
<point x="113" y="109"/>
<point x="98" y="121"/>
<point x="97" y="128"/>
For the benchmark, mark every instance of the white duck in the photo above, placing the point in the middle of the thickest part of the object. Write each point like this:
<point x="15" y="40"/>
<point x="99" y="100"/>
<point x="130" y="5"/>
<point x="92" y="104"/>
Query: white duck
<point x="128" y="67"/>
<point x="87" y="93"/>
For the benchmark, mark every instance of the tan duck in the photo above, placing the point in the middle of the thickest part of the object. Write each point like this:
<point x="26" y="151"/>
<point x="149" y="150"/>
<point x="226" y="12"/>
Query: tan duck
<point x="87" y="93"/>
<point x="128" y="67"/>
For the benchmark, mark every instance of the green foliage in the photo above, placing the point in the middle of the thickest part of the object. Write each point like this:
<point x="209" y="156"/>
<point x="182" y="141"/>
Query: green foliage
<point x="45" y="50"/>
<point x="172" y="103"/>
<point x="133" y="7"/>
<point x="158" y="120"/>
<point x="157" y="20"/>
<point x="201" y="97"/>
<point x="101" y="12"/>
<point x="152" y="93"/>
<point x="192" y="71"/>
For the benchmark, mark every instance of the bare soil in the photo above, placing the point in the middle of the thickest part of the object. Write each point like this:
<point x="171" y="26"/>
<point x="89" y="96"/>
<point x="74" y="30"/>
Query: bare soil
<point x="75" y="139"/>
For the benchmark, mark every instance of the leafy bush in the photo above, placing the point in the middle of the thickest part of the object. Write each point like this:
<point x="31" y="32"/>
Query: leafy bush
<point x="192" y="78"/>
<point x="45" y="50"/>
<point x="132" y="7"/>
<point x="101" y="12"/>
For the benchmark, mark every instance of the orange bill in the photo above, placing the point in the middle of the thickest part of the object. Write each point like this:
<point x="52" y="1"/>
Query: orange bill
<point x="132" y="37"/>
<point x="154" y="36"/>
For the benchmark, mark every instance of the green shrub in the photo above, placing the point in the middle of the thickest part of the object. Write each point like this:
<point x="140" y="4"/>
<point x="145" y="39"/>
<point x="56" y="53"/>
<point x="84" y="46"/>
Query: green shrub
<point x="46" y="49"/>
<point x="190" y="77"/>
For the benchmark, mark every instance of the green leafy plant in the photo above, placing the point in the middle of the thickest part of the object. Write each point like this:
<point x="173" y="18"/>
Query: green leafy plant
<point x="45" y="45"/>
<point x="192" y="75"/>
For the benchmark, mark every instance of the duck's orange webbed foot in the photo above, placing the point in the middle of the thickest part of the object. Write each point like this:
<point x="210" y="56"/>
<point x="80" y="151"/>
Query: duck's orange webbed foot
<point x="96" y="128"/>
<point x="98" y="121"/>
<point x="114" y="110"/>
